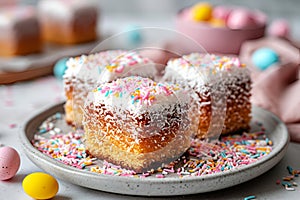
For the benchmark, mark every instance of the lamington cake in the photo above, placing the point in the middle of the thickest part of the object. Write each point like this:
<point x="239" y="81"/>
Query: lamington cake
<point x="223" y="86"/>
<point x="138" y="123"/>
<point x="20" y="31"/>
<point x="68" y="21"/>
<point x="85" y="72"/>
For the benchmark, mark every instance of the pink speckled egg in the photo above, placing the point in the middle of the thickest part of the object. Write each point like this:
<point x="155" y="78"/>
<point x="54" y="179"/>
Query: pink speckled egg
<point x="241" y="19"/>
<point x="9" y="162"/>
<point x="279" y="28"/>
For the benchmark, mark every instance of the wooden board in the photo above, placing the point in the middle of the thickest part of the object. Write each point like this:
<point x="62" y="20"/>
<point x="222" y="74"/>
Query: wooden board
<point x="21" y="68"/>
<point x="12" y="77"/>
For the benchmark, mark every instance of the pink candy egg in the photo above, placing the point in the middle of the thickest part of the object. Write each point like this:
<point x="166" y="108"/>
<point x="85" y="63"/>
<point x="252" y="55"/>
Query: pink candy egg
<point x="9" y="162"/>
<point x="241" y="19"/>
<point x="221" y="12"/>
<point x="160" y="56"/>
<point x="279" y="28"/>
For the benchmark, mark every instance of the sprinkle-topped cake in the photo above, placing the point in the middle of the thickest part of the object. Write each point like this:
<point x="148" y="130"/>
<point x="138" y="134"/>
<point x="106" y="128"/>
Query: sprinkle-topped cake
<point x="223" y="86"/>
<point x="84" y="72"/>
<point x="68" y="21"/>
<point x="138" y="123"/>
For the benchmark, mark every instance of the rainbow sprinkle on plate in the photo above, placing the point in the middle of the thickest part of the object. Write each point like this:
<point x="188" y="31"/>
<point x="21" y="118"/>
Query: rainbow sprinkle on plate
<point x="230" y="152"/>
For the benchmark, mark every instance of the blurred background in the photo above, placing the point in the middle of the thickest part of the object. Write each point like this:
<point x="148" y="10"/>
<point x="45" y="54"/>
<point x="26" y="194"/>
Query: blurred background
<point x="162" y="12"/>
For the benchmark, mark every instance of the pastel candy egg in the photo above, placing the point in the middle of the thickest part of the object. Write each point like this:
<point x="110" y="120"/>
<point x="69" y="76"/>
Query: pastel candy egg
<point x="221" y="12"/>
<point x="264" y="57"/>
<point x="279" y="28"/>
<point x="40" y="185"/>
<point x="241" y="19"/>
<point x="134" y="34"/>
<point x="202" y="11"/>
<point x="217" y="22"/>
<point x="9" y="162"/>
<point x="60" y="68"/>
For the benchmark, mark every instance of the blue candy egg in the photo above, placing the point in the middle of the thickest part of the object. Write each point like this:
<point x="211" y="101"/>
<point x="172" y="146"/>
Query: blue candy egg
<point x="134" y="34"/>
<point x="60" y="68"/>
<point x="264" y="57"/>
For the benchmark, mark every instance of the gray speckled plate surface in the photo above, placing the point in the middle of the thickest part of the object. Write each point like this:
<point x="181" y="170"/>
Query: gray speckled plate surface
<point x="152" y="186"/>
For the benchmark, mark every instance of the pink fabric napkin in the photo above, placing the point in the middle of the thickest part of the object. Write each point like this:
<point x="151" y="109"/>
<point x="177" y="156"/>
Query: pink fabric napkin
<point x="277" y="88"/>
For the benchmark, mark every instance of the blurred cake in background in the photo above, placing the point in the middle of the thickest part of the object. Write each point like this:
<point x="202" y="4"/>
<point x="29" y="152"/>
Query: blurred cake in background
<point x="68" y="21"/>
<point x="220" y="29"/>
<point x="20" y="31"/>
<point x="8" y="2"/>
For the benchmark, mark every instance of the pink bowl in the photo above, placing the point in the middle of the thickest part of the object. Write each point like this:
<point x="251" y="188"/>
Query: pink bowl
<point x="221" y="40"/>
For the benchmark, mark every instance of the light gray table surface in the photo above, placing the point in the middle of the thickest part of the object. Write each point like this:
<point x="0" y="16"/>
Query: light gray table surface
<point x="19" y="101"/>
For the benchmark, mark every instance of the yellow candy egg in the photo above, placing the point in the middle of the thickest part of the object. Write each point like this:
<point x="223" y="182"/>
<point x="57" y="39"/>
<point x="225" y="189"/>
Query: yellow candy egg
<point x="202" y="11"/>
<point x="217" y="22"/>
<point x="40" y="185"/>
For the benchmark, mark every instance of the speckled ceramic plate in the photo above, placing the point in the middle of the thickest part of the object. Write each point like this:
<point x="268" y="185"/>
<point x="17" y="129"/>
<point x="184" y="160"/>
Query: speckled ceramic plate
<point x="152" y="186"/>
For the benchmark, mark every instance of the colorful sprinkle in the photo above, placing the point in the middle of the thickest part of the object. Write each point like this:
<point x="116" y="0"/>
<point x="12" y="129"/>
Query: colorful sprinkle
<point x="250" y="197"/>
<point x="289" y="188"/>
<point x="141" y="90"/>
<point x="216" y="62"/>
<point x="106" y="66"/>
<point x="290" y="169"/>
<point x="294" y="184"/>
<point x="125" y="60"/>
<point x="288" y="181"/>
<point x="202" y="158"/>
<point x="12" y="125"/>
<point x="159" y="176"/>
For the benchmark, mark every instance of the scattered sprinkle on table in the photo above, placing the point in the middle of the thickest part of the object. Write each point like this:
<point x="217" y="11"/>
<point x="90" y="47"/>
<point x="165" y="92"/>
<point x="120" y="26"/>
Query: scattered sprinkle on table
<point x="202" y="158"/>
<point x="12" y="126"/>
<point x="250" y="197"/>
<point x="288" y="182"/>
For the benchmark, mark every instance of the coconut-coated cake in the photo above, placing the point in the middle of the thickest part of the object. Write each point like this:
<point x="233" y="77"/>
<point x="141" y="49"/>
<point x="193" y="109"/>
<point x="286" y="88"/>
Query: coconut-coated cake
<point x="84" y="72"/>
<point x="223" y="87"/>
<point x="138" y="123"/>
